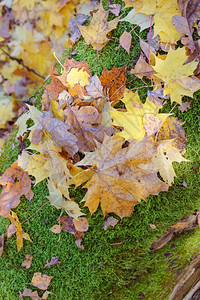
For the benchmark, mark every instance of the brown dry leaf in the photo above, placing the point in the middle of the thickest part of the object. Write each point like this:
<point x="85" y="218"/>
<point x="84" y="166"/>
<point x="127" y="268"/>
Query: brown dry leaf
<point x="1" y="244"/>
<point x="55" y="87"/>
<point x="41" y="281"/>
<point x="67" y="224"/>
<point x="96" y="33"/>
<point x="79" y="245"/>
<point x="111" y="221"/>
<point x="11" y="230"/>
<point x="119" y="182"/>
<point x="190" y="10"/>
<point x="185" y="106"/>
<point x="16" y="183"/>
<point x="152" y="226"/>
<point x="115" y="9"/>
<point x="142" y="68"/>
<point x="114" y="81"/>
<point x="28" y="261"/>
<point x="59" y="132"/>
<point x="54" y="261"/>
<point x="125" y="41"/>
<point x="81" y="224"/>
<point x="171" y="129"/>
<point x="56" y="229"/>
<point x="29" y="293"/>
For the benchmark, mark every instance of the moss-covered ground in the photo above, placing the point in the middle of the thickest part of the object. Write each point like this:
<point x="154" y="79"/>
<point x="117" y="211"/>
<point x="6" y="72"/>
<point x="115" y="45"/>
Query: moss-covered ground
<point x="127" y="269"/>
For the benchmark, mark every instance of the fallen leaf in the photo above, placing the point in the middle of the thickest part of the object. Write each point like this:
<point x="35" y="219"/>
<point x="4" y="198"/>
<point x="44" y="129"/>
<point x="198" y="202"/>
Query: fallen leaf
<point x="125" y="41"/>
<point x="41" y="281"/>
<point x="28" y="261"/>
<point x="110" y="222"/>
<point x="11" y="230"/>
<point x="16" y="183"/>
<point x="139" y="118"/>
<point x="29" y="293"/>
<point x="56" y="228"/>
<point x="96" y="33"/>
<point x="119" y="183"/>
<point x="142" y="68"/>
<point x="185" y="106"/>
<point x="54" y="261"/>
<point x="114" y="81"/>
<point x="115" y="9"/>
<point x="81" y="224"/>
<point x="59" y="132"/>
<point x="175" y="74"/>
<point x="141" y="20"/>
<point x="152" y="226"/>
<point x="79" y="245"/>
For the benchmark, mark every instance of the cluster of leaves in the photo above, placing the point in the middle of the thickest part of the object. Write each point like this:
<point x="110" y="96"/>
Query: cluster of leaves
<point x="122" y="154"/>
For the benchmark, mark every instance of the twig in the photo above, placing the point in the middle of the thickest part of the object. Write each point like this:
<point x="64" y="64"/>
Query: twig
<point x="35" y="212"/>
<point x="20" y="61"/>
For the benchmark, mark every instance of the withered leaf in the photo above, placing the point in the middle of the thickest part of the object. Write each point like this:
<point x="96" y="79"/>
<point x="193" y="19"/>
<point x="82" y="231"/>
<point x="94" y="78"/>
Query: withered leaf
<point x="120" y="180"/>
<point x="29" y="293"/>
<point x="16" y="183"/>
<point x="79" y="244"/>
<point x="142" y="68"/>
<point x="96" y="33"/>
<point x="41" y="281"/>
<point x="114" y="81"/>
<point x="28" y="261"/>
<point x="125" y="41"/>
<point x="171" y="129"/>
<point x="54" y="261"/>
<point x="59" y="132"/>
<point x="81" y="224"/>
<point x="111" y="221"/>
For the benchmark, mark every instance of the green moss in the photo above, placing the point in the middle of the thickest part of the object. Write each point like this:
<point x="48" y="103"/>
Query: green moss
<point x="127" y="269"/>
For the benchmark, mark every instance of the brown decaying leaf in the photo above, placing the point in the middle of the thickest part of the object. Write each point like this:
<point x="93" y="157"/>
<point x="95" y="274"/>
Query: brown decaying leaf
<point x="185" y="106"/>
<point x="16" y="183"/>
<point x="33" y="295"/>
<point x="41" y="281"/>
<point x="81" y="224"/>
<point x="1" y="244"/>
<point x="171" y="129"/>
<point x="28" y="261"/>
<point x="111" y="221"/>
<point x="119" y="182"/>
<point x="142" y="68"/>
<point x="11" y="230"/>
<point x="115" y="9"/>
<point x="54" y="261"/>
<point x="125" y="41"/>
<point x="59" y="132"/>
<point x="114" y="81"/>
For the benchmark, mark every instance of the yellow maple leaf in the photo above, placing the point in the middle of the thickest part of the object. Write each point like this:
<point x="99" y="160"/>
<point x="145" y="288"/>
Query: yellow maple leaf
<point x="175" y="74"/>
<point x="19" y="232"/>
<point x="119" y="183"/>
<point x="139" y="118"/>
<point x="162" y="12"/>
<point x="77" y="76"/>
<point x="96" y="33"/>
<point x="6" y="111"/>
<point x="167" y="154"/>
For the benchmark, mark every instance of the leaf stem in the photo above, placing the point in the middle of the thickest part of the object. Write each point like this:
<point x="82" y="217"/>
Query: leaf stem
<point x="35" y="212"/>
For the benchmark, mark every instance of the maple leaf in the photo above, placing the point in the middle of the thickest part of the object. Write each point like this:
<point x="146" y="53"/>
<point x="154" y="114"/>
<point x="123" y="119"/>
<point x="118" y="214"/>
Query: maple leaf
<point x="140" y="119"/>
<point x="141" y="20"/>
<point x="171" y="129"/>
<point x="41" y="281"/>
<point x="125" y="41"/>
<point x="165" y="156"/>
<point x="28" y="261"/>
<point x="59" y="132"/>
<point x="119" y="183"/>
<point x="174" y="72"/>
<point x="20" y="234"/>
<point x="162" y="12"/>
<point x="114" y="81"/>
<point x="6" y="111"/>
<point x="96" y="33"/>
<point x="16" y="183"/>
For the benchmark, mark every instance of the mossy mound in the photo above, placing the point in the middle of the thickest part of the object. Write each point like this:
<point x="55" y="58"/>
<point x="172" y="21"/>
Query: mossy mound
<point x="116" y="263"/>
